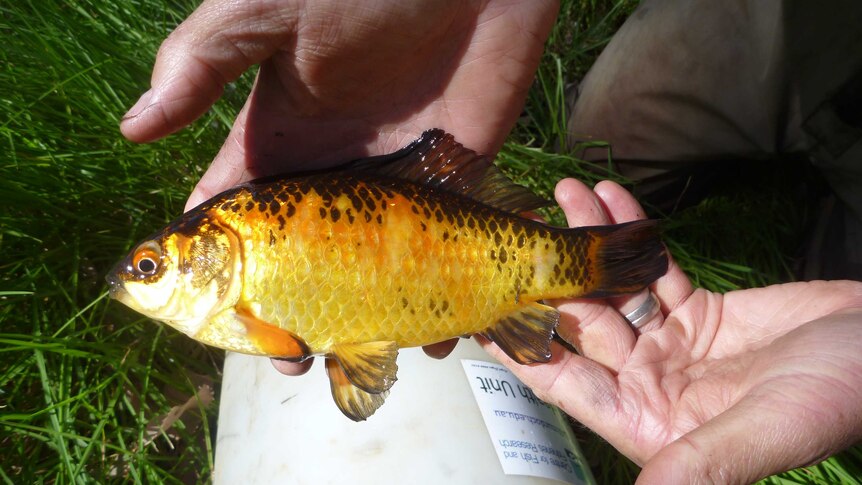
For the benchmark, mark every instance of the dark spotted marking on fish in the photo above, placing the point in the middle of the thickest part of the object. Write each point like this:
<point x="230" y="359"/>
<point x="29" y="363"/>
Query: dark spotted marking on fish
<point x="375" y="193"/>
<point x="263" y="195"/>
<point x="367" y="200"/>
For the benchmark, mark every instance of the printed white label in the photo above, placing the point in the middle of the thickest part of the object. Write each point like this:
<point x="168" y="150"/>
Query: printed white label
<point x="531" y="437"/>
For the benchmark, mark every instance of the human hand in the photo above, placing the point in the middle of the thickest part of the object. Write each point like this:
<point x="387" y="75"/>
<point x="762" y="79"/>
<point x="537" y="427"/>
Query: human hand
<point x="342" y="80"/>
<point x="716" y="388"/>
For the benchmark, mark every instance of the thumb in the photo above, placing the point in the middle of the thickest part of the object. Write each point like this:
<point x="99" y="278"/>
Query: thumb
<point x="754" y="439"/>
<point x="212" y="47"/>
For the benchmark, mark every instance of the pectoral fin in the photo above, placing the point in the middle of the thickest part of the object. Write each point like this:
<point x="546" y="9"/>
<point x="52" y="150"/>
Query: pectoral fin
<point x="355" y="403"/>
<point x="526" y="334"/>
<point x="271" y="339"/>
<point x="369" y="366"/>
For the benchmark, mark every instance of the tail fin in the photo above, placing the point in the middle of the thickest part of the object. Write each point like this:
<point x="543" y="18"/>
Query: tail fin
<point x="628" y="257"/>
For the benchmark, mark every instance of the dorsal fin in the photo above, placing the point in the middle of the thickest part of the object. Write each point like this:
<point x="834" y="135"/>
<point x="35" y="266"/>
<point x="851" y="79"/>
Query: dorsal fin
<point x="436" y="160"/>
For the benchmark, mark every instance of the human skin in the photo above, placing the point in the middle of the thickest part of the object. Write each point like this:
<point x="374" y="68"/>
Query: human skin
<point x="340" y="80"/>
<point x="724" y="388"/>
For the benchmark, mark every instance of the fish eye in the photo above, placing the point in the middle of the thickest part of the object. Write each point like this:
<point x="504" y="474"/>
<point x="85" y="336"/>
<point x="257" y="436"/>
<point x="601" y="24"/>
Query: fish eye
<point x="147" y="258"/>
<point x="146" y="265"/>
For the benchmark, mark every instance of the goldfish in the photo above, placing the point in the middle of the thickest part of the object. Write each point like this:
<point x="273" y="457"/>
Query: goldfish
<point x="353" y="263"/>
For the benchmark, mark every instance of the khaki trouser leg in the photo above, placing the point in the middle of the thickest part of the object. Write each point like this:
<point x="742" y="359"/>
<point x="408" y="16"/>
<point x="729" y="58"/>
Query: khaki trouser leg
<point x="688" y="81"/>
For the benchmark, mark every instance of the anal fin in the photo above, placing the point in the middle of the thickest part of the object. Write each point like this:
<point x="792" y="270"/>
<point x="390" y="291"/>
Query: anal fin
<point x="525" y="335"/>
<point x="440" y="350"/>
<point x="271" y="339"/>
<point x="369" y="366"/>
<point x="355" y="403"/>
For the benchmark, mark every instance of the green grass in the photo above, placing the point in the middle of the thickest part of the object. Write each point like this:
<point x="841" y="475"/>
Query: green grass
<point x="84" y="384"/>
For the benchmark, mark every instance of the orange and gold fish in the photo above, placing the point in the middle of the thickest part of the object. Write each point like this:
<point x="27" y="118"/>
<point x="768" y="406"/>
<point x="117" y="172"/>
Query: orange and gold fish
<point x="408" y="249"/>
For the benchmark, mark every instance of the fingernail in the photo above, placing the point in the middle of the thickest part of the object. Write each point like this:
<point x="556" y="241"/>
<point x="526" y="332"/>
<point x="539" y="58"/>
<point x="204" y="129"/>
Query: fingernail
<point x="143" y="103"/>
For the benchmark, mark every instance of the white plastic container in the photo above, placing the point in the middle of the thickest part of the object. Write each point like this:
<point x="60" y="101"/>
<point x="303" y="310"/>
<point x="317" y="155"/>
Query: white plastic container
<point x="275" y="429"/>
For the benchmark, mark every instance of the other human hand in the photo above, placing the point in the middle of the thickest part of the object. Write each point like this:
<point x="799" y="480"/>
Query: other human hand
<point x="340" y="80"/>
<point x="716" y="388"/>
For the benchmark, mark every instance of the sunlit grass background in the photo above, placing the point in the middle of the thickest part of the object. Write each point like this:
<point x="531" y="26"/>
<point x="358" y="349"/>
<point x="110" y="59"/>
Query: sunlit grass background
<point x="89" y="391"/>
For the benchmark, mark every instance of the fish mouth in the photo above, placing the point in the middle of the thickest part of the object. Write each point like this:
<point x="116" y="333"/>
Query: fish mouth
<point x="115" y="286"/>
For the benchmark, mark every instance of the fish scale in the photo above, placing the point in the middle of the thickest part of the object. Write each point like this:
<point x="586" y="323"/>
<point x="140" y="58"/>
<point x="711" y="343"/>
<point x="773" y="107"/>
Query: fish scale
<point x="401" y="263"/>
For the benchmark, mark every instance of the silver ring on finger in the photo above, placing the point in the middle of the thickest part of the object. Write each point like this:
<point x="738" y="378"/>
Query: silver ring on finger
<point x="644" y="312"/>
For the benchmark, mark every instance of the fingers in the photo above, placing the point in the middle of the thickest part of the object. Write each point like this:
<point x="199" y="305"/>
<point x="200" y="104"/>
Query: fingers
<point x="292" y="368"/>
<point x="621" y="207"/>
<point x="216" y="44"/>
<point x="597" y="330"/>
<point x="672" y="288"/>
